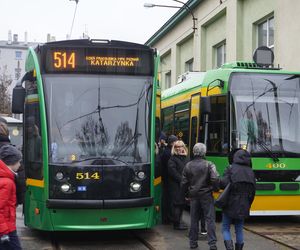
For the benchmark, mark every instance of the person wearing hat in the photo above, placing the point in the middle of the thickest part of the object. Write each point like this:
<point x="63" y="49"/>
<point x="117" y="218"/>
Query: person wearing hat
<point x="10" y="159"/>
<point x="162" y="142"/>
<point x="199" y="179"/>
<point x="20" y="178"/>
<point x="166" y="203"/>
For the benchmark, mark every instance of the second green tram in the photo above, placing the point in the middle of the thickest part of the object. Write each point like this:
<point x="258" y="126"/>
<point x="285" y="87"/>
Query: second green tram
<point x="242" y="105"/>
<point x="89" y="110"/>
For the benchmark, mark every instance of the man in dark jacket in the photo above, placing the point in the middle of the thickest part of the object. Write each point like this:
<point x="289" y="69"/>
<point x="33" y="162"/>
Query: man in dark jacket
<point x="165" y="155"/>
<point x="241" y="196"/>
<point x="199" y="179"/>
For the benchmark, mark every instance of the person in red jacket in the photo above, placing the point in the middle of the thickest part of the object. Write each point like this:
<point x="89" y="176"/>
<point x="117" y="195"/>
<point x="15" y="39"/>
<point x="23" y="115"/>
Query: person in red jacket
<point x="10" y="159"/>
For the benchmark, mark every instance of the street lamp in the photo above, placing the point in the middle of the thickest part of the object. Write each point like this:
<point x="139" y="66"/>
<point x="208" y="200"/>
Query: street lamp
<point x="151" y="5"/>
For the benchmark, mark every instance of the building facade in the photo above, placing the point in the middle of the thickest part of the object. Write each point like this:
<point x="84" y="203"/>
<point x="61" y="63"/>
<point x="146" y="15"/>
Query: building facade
<point x="12" y="57"/>
<point x="226" y="30"/>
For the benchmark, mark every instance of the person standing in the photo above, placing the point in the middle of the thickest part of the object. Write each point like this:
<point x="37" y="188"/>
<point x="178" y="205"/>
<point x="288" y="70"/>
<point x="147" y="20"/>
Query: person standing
<point x="199" y="179"/>
<point x="20" y="177"/>
<point x="165" y="155"/>
<point x="241" y="196"/>
<point x="162" y="142"/>
<point x="10" y="159"/>
<point x="175" y="168"/>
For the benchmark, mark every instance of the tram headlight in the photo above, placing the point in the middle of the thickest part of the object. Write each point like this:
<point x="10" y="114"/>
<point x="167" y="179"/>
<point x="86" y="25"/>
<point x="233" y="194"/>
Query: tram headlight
<point x="65" y="187"/>
<point x="59" y="176"/>
<point x="135" y="187"/>
<point x="141" y="175"/>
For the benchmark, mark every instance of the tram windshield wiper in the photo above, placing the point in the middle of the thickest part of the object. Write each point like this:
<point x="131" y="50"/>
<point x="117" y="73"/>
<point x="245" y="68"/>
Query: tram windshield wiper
<point x="98" y="160"/>
<point x="266" y="148"/>
<point x="125" y="147"/>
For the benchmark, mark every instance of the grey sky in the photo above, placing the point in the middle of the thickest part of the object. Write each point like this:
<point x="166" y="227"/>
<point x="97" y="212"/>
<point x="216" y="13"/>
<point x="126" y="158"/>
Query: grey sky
<point x="125" y="20"/>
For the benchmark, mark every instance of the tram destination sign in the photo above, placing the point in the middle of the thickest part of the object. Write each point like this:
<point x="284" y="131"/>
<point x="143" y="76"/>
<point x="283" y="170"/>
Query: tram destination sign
<point x="98" y="61"/>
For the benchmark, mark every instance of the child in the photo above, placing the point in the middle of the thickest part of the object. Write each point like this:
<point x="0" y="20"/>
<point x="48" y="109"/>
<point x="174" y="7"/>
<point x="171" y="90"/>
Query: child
<point x="10" y="158"/>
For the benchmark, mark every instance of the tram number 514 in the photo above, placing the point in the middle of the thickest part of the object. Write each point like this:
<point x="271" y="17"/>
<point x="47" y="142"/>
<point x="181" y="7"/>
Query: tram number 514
<point x="63" y="60"/>
<point x="87" y="176"/>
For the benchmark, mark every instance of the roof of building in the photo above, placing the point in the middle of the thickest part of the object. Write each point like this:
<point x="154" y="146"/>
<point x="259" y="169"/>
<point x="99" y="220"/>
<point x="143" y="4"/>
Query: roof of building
<point x="18" y="45"/>
<point x="173" y="21"/>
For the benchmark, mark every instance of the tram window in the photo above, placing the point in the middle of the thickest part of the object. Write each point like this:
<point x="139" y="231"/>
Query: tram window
<point x="217" y="127"/>
<point x="167" y="120"/>
<point x="33" y="141"/>
<point x="181" y="122"/>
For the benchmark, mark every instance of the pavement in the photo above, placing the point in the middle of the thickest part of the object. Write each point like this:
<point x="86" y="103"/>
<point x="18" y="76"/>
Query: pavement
<point x="167" y="238"/>
<point x="161" y="237"/>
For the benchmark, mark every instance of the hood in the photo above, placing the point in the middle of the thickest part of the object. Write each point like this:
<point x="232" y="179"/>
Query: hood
<point x="242" y="157"/>
<point x="5" y="171"/>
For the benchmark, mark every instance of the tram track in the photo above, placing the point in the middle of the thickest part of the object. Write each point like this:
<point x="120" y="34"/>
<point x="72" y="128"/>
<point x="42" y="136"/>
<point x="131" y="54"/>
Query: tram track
<point x="282" y="230"/>
<point x="100" y="240"/>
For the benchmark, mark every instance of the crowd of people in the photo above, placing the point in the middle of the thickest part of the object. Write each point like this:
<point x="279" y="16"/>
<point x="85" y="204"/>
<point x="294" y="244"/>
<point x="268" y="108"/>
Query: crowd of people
<point x="183" y="180"/>
<point x="194" y="181"/>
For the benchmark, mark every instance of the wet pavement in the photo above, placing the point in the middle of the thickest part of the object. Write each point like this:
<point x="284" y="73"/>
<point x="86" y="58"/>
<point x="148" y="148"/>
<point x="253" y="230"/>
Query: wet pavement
<point x="162" y="237"/>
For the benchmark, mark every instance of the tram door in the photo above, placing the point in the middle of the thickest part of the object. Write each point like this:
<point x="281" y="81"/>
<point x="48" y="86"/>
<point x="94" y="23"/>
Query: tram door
<point x="194" y="121"/>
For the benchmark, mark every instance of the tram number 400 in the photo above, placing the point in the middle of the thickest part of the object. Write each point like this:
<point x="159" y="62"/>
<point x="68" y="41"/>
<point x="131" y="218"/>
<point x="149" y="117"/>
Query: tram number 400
<point x="87" y="176"/>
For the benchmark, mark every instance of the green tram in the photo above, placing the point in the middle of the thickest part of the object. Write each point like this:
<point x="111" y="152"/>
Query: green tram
<point x="89" y="111"/>
<point x="247" y="105"/>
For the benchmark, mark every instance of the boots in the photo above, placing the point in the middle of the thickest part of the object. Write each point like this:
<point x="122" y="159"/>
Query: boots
<point x="229" y="244"/>
<point x="239" y="246"/>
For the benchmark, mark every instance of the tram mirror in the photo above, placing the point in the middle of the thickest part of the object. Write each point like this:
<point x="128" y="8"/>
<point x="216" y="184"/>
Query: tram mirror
<point x="205" y="105"/>
<point x="18" y="99"/>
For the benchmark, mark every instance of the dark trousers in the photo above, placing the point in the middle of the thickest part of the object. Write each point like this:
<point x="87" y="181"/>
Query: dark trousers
<point x="166" y="206"/>
<point x="206" y="203"/>
<point x="13" y="244"/>
<point x="177" y="214"/>
<point x="202" y="221"/>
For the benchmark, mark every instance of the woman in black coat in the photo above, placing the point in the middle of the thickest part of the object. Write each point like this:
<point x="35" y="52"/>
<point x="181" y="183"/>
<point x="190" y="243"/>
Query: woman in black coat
<point x="242" y="192"/>
<point x="175" y="167"/>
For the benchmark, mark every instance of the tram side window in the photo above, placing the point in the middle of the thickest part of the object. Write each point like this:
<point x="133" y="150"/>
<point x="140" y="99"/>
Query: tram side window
<point x="181" y="122"/>
<point x="167" y="120"/>
<point x="217" y="141"/>
<point x="33" y="141"/>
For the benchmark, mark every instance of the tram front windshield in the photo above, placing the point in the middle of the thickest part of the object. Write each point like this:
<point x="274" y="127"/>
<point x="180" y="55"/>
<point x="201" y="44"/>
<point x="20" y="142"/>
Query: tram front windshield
<point x="265" y="113"/>
<point x="98" y="117"/>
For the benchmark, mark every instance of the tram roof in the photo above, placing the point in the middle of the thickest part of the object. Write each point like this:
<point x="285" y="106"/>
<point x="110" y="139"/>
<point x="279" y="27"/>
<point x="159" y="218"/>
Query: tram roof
<point x="195" y="80"/>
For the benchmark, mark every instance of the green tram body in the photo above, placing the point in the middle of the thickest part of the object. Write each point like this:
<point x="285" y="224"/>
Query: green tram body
<point x="247" y="103"/>
<point x="89" y="128"/>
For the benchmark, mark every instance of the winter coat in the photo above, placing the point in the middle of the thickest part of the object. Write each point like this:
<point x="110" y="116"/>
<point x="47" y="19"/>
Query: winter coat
<point x="19" y="178"/>
<point x="175" y="168"/>
<point x="8" y="200"/>
<point x="242" y="190"/>
<point x="199" y="178"/>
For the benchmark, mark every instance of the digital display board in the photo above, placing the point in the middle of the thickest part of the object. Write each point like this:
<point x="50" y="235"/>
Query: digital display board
<point x="99" y="60"/>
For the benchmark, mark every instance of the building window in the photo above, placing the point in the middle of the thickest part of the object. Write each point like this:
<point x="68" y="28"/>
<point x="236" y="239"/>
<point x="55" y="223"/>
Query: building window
<point x="168" y="80"/>
<point x="266" y="33"/>
<point x="189" y="65"/>
<point x="18" y="55"/>
<point x="220" y="55"/>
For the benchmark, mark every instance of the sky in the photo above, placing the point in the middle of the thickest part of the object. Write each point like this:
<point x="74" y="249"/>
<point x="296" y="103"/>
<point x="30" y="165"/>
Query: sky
<point x="126" y="20"/>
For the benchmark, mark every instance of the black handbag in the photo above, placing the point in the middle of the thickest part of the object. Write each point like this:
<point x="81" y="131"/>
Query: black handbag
<point x="222" y="200"/>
